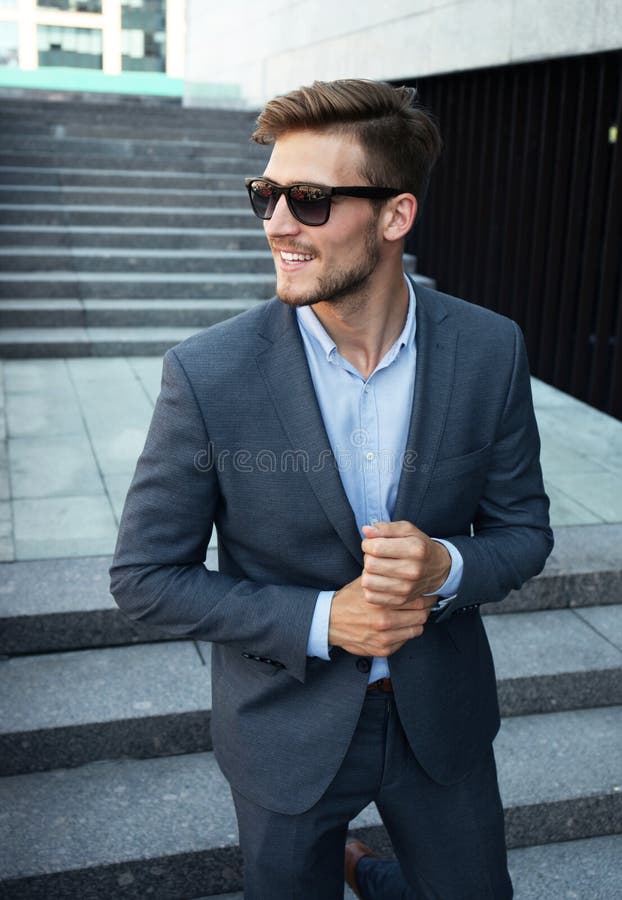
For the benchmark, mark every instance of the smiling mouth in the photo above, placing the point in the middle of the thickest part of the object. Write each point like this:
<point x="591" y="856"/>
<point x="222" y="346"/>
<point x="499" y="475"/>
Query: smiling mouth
<point x="289" y="257"/>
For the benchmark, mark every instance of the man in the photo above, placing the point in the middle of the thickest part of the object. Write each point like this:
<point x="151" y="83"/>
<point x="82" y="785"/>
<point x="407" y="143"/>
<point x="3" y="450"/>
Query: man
<point x="368" y="454"/>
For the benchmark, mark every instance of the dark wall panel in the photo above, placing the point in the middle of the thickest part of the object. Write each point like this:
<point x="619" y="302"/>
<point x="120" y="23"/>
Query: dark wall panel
<point x="524" y="212"/>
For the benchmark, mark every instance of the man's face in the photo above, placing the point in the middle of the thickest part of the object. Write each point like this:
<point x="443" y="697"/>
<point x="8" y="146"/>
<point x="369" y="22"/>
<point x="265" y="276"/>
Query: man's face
<point x="329" y="262"/>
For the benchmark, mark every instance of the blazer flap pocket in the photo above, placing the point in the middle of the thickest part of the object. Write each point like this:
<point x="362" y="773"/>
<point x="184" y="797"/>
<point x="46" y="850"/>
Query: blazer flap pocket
<point x="457" y="466"/>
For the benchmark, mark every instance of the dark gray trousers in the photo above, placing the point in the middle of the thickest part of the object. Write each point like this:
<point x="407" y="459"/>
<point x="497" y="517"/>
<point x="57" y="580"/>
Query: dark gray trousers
<point x="449" y="840"/>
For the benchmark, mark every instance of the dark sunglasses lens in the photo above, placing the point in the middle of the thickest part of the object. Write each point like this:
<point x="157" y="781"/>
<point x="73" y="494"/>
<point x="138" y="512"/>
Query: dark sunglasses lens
<point x="310" y="204"/>
<point x="262" y="198"/>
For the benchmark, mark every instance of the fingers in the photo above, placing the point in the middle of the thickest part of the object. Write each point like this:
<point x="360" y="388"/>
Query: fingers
<point x="407" y="562"/>
<point x="375" y="586"/>
<point x="405" y="553"/>
<point x="367" y="629"/>
<point x="401" y="563"/>
<point x="381" y="647"/>
<point x="389" y="629"/>
<point x="412" y="546"/>
<point x="392" y="529"/>
<point x="382" y="644"/>
<point x="393" y="600"/>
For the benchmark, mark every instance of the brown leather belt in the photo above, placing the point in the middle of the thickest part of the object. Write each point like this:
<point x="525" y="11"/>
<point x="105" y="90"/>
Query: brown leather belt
<point x="383" y="684"/>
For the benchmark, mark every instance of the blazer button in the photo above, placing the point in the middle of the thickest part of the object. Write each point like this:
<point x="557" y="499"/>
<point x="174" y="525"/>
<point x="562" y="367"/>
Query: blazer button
<point x="363" y="665"/>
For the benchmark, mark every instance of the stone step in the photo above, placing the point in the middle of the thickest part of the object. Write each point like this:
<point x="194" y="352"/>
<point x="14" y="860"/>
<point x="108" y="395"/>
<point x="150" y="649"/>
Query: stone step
<point x="42" y="98"/>
<point x="207" y="133"/>
<point x="65" y="709"/>
<point x="55" y="712"/>
<point x="572" y="870"/>
<point x="121" y="109"/>
<point x="127" y="286"/>
<point x="64" y="604"/>
<point x="581" y="870"/>
<point x="29" y="260"/>
<point x="59" y="343"/>
<point x="135" y="285"/>
<point x="41" y="314"/>
<point x="101" y="236"/>
<point x="49" y="101"/>
<point x="176" y="148"/>
<point x="583" y="570"/>
<point x="35" y="114"/>
<point x="165" y="826"/>
<point x="557" y="659"/>
<point x="106" y="123"/>
<point x="113" y="215"/>
<point x="43" y="176"/>
<point x="185" y="261"/>
<point x="238" y="163"/>
<point x="25" y="196"/>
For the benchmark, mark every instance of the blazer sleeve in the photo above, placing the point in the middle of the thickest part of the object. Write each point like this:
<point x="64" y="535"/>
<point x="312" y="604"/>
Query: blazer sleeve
<point x="511" y="537"/>
<point x="158" y="574"/>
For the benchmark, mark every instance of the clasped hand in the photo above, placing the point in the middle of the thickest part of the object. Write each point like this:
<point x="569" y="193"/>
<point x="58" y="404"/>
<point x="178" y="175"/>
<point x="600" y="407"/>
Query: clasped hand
<point x="376" y="614"/>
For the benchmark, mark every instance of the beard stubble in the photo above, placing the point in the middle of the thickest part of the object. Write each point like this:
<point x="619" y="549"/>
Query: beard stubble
<point x="346" y="287"/>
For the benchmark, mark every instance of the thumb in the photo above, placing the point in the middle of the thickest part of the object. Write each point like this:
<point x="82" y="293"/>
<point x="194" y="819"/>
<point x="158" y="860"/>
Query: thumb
<point x="378" y="529"/>
<point x="390" y="529"/>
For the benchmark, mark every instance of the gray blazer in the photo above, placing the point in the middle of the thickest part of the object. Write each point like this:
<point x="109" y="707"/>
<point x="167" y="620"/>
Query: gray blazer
<point x="237" y="442"/>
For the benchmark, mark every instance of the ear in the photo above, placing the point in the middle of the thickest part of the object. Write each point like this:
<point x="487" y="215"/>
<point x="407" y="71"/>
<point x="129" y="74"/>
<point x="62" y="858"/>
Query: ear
<point x="398" y="216"/>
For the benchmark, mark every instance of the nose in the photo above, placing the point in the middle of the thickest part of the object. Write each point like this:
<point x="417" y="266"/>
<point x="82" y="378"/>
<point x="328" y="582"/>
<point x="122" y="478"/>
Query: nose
<point x="282" y="221"/>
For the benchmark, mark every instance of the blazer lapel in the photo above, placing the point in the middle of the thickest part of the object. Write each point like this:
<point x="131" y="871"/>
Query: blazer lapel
<point x="436" y="351"/>
<point x="283" y="365"/>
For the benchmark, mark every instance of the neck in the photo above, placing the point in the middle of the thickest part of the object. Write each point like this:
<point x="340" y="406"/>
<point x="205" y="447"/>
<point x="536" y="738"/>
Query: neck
<point x="365" y="326"/>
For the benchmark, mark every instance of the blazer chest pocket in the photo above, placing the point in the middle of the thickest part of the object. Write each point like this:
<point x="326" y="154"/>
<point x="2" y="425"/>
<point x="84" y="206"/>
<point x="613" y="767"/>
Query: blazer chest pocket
<point x="462" y="466"/>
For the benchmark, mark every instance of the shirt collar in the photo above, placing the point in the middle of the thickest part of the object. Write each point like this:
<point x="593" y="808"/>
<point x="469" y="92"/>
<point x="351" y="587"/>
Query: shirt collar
<point x="311" y="325"/>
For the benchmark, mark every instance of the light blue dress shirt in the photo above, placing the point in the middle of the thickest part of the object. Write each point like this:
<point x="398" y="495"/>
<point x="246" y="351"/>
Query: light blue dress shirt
<point x="367" y="423"/>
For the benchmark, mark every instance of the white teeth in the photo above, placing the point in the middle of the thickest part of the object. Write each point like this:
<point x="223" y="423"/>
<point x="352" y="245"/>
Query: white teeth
<point x="295" y="257"/>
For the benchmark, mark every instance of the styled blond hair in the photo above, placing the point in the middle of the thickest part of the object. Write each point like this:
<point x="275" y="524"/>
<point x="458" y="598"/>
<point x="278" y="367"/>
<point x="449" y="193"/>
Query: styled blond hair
<point x="400" y="140"/>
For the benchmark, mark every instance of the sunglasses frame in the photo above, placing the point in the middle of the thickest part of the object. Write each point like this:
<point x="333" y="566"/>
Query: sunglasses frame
<point x="367" y="192"/>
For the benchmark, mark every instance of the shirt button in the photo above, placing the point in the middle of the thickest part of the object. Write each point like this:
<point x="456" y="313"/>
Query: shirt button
<point x="369" y="456"/>
<point x="363" y="665"/>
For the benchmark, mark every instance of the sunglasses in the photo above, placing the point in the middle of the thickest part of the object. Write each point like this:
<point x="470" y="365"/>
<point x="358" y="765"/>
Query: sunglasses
<point x="309" y="203"/>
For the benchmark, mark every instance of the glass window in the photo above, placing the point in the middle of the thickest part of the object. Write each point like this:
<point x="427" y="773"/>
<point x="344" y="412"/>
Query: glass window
<point x="9" y="41"/>
<point x="94" y="6"/>
<point x="77" y="48"/>
<point x="143" y="38"/>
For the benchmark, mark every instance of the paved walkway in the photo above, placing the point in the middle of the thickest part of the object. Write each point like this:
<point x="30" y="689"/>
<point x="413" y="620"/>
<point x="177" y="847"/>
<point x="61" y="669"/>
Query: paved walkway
<point x="75" y="427"/>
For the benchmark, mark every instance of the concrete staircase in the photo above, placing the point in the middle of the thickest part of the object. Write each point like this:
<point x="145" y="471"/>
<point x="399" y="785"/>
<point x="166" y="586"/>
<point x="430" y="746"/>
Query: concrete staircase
<point x="110" y="789"/>
<point x="124" y="228"/>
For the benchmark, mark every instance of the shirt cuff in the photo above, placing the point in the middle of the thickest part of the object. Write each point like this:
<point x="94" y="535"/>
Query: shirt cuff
<point x="449" y="589"/>
<point x="317" y="644"/>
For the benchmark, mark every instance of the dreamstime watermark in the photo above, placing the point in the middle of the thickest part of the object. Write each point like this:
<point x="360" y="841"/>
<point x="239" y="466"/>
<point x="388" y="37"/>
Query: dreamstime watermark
<point x="358" y="457"/>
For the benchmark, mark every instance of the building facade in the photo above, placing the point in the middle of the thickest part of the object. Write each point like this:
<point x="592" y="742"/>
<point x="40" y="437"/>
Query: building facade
<point x="89" y="39"/>
<point x="271" y="47"/>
